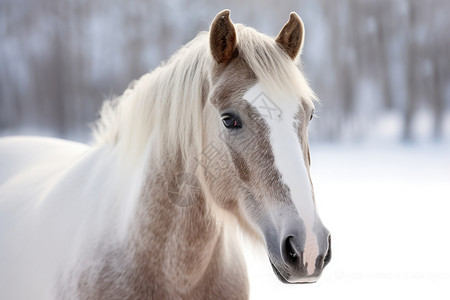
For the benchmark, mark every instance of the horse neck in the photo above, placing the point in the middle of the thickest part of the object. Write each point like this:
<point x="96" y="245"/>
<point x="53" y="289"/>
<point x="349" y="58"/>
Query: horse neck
<point x="175" y="232"/>
<point x="171" y="232"/>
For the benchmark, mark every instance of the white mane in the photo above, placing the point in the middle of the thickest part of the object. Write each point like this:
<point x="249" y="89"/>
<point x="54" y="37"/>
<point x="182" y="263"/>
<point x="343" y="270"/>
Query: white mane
<point x="165" y="107"/>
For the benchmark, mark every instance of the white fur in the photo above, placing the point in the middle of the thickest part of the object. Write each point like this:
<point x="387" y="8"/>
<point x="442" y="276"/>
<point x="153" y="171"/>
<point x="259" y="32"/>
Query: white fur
<point x="50" y="212"/>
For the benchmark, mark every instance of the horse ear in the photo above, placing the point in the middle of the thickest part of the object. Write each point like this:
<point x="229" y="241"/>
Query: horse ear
<point x="222" y="37"/>
<point x="291" y="36"/>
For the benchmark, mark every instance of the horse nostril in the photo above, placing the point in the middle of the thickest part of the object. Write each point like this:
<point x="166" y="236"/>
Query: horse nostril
<point x="291" y="251"/>
<point x="327" y="258"/>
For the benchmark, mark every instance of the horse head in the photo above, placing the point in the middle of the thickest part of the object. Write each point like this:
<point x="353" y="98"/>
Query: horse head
<point x="257" y="115"/>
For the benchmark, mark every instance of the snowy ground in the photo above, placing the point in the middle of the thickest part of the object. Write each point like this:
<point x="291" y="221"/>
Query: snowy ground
<point x="388" y="209"/>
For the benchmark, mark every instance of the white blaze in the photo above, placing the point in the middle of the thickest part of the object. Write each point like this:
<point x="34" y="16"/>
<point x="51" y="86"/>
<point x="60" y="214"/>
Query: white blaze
<point x="289" y="160"/>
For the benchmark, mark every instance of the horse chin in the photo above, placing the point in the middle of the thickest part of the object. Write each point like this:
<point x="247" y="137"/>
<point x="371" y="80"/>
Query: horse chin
<point x="280" y="277"/>
<point x="278" y="274"/>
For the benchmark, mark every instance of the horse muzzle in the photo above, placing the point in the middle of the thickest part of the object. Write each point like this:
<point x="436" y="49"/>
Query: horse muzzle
<point x="294" y="262"/>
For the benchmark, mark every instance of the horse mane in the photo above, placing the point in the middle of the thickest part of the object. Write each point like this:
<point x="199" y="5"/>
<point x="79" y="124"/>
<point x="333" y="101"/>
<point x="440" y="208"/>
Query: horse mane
<point x="164" y="108"/>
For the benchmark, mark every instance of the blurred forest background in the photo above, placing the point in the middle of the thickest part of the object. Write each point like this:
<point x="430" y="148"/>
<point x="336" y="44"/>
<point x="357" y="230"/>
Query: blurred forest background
<point x="380" y="145"/>
<point x="380" y="67"/>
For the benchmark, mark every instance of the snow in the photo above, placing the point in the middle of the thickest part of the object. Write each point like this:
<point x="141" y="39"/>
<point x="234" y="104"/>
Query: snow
<point x="387" y="208"/>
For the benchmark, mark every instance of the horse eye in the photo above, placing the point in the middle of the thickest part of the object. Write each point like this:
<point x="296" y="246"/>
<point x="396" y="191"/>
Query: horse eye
<point x="312" y="116"/>
<point x="230" y="121"/>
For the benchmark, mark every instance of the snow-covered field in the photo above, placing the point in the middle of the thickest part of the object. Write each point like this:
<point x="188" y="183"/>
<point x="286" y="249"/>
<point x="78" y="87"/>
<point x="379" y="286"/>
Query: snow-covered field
<point x="388" y="209"/>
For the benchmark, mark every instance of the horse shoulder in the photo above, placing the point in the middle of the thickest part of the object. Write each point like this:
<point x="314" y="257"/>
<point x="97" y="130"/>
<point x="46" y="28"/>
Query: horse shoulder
<point x="28" y="168"/>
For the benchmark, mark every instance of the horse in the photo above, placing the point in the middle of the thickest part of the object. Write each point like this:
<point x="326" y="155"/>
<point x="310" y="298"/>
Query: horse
<point x="210" y="146"/>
